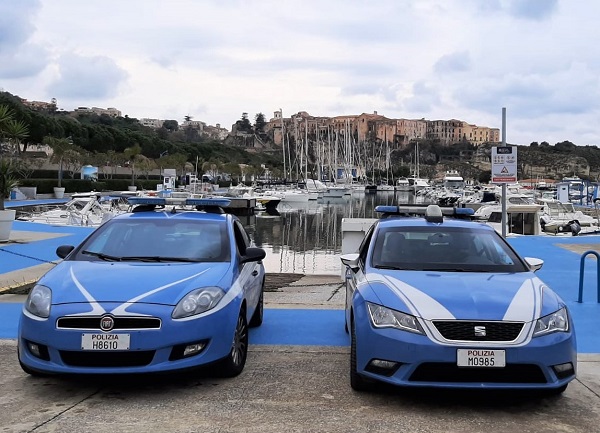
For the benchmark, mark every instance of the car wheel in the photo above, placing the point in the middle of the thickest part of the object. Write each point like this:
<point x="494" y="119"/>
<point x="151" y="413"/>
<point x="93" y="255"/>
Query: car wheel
<point x="233" y="364"/>
<point x="257" y="317"/>
<point x="357" y="382"/>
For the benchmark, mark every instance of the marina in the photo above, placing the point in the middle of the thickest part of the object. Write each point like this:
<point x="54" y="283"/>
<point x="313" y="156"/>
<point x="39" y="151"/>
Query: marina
<point x="305" y="236"/>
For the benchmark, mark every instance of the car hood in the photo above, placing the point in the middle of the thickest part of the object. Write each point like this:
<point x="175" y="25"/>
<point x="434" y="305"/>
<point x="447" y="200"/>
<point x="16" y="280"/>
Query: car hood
<point x="162" y="283"/>
<point x="465" y="296"/>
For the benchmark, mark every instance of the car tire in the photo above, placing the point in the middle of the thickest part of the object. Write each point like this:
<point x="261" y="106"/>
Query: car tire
<point x="357" y="382"/>
<point x="257" y="317"/>
<point x="233" y="364"/>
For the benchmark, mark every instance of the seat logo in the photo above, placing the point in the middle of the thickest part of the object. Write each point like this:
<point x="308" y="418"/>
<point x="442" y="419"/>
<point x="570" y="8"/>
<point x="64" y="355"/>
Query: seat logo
<point x="480" y="331"/>
<point x="107" y="323"/>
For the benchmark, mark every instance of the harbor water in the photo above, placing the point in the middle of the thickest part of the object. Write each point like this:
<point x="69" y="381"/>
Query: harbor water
<point x="306" y="238"/>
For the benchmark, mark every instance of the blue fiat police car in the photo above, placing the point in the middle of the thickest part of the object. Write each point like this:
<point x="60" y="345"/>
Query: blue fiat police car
<point x="171" y="285"/>
<point x="433" y="301"/>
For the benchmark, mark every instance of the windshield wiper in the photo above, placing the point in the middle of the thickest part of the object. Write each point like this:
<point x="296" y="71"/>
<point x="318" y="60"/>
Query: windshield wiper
<point x="446" y="270"/>
<point x="388" y="267"/>
<point x="103" y="256"/>
<point x="157" y="259"/>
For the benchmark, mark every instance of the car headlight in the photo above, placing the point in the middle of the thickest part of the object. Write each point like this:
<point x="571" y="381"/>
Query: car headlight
<point x="198" y="301"/>
<point x="39" y="300"/>
<point x="382" y="317"/>
<point x="555" y="322"/>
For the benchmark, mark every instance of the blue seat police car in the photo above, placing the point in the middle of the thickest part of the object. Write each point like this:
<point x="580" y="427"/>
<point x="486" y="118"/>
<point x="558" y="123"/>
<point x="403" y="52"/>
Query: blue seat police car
<point x="435" y="301"/>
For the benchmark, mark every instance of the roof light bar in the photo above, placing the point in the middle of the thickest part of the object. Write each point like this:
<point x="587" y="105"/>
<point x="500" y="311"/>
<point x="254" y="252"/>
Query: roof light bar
<point x="425" y="210"/>
<point x="157" y="201"/>
<point x="222" y="202"/>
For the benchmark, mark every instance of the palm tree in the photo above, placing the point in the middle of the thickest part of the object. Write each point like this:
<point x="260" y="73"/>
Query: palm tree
<point x="8" y="169"/>
<point x="131" y="153"/>
<point x="7" y="179"/>
<point x="16" y="131"/>
<point x="60" y="147"/>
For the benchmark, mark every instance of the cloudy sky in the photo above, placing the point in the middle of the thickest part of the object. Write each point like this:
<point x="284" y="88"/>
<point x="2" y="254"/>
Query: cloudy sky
<point x="215" y="59"/>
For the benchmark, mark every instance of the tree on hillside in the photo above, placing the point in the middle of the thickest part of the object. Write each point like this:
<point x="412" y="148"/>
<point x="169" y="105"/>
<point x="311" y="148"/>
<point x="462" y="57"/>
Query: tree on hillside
<point x="244" y="124"/>
<point x="259" y="124"/>
<point x="170" y="125"/>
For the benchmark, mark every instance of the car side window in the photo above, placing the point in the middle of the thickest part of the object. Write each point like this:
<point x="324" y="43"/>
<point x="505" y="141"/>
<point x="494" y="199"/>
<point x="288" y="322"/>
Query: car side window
<point x="242" y="240"/>
<point x="363" y="249"/>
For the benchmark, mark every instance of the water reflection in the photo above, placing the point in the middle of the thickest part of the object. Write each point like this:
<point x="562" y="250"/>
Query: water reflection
<point x="306" y="238"/>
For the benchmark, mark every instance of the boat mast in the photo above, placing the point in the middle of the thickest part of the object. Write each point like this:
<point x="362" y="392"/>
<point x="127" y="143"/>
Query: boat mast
<point x="283" y="144"/>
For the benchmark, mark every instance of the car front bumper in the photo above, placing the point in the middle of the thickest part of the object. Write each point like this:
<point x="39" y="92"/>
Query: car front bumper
<point x="411" y="359"/>
<point x="150" y="350"/>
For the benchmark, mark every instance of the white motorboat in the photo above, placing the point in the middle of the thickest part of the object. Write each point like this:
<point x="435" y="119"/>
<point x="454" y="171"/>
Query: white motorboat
<point x="85" y="209"/>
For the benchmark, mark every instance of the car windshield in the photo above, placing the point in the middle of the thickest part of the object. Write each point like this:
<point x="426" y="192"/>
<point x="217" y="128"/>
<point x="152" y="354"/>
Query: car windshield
<point x="455" y="249"/>
<point x="156" y="240"/>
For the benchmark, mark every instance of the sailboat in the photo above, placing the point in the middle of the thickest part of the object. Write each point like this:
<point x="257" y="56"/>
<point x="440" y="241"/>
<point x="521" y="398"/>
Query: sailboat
<point x="415" y="182"/>
<point x="386" y="186"/>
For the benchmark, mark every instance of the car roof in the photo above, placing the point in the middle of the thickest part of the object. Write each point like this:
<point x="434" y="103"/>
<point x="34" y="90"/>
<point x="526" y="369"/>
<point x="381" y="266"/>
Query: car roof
<point x="433" y="216"/>
<point x="407" y="221"/>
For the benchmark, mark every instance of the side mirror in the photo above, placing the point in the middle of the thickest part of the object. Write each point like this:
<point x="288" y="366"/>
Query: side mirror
<point x="64" y="250"/>
<point x="534" y="264"/>
<point x="253" y="255"/>
<point x="350" y="260"/>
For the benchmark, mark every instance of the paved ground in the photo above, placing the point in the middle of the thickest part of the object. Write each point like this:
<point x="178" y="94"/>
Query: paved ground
<point x="292" y="389"/>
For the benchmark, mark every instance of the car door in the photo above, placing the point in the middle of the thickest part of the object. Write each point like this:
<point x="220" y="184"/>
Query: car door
<point x="355" y="277"/>
<point x="251" y="274"/>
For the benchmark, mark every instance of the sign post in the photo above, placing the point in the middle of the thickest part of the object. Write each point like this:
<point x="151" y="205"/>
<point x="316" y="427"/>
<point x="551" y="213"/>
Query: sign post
<point x="504" y="168"/>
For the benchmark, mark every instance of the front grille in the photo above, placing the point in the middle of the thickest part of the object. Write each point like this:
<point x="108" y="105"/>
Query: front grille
<point x="447" y="372"/>
<point x="457" y="330"/>
<point x="107" y="359"/>
<point x="121" y="323"/>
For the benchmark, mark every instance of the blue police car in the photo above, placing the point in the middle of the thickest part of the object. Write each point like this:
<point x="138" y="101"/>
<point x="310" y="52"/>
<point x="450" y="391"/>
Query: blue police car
<point x="171" y="285"/>
<point x="433" y="301"/>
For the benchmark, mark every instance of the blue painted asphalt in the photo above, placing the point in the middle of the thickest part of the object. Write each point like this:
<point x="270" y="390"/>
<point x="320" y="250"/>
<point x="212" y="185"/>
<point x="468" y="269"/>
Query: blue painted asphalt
<point x="561" y="272"/>
<point x="280" y="327"/>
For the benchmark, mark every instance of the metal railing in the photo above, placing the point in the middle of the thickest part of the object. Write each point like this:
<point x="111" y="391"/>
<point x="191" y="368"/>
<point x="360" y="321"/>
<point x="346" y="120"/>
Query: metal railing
<point x="581" y="271"/>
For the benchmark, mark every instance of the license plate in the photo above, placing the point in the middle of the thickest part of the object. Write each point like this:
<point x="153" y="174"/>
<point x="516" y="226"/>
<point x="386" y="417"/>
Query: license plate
<point x="105" y="342"/>
<point x="480" y="358"/>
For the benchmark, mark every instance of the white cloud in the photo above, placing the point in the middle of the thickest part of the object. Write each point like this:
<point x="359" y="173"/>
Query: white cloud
<point x="213" y="60"/>
<point x="92" y="78"/>
<point x="18" y="57"/>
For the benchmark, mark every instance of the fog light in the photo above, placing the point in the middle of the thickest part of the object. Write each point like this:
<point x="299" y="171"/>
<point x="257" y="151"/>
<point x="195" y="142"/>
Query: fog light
<point x="563" y="370"/>
<point x="193" y="349"/>
<point x="38" y="350"/>
<point x="34" y="349"/>
<point x="382" y="367"/>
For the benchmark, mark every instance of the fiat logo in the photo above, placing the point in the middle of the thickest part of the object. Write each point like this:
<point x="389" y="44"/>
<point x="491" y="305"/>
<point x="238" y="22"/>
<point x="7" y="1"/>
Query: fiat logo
<point x="107" y="323"/>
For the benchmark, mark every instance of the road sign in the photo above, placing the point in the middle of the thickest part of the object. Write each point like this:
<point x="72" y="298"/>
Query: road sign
<point x="504" y="164"/>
